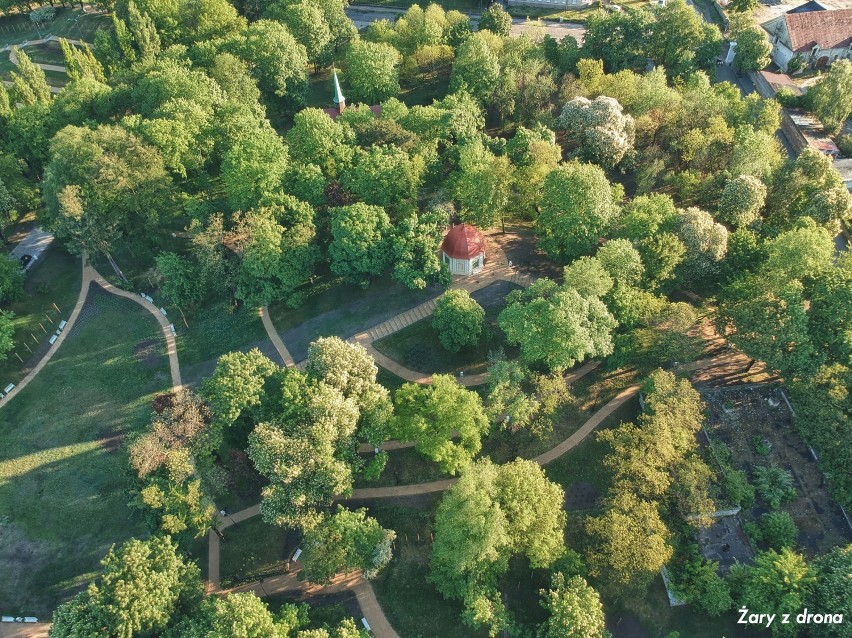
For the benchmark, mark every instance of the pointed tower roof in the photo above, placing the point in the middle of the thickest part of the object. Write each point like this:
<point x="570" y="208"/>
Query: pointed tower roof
<point x="338" y="94"/>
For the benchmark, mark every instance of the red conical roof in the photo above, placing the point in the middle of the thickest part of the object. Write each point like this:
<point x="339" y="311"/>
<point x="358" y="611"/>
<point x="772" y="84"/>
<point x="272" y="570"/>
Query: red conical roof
<point x="463" y="242"/>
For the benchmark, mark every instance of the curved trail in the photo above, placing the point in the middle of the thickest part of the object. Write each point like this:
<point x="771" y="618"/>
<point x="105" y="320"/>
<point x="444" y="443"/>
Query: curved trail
<point x="91" y="275"/>
<point x="363" y="591"/>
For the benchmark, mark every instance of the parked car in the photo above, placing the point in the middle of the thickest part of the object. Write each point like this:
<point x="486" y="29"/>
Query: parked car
<point x="26" y="262"/>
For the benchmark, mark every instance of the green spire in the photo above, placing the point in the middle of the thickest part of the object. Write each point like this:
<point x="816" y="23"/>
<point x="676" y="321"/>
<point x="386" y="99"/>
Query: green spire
<point x="338" y="94"/>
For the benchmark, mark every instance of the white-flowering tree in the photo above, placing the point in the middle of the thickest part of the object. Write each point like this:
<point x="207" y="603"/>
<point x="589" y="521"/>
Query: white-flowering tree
<point x="742" y="200"/>
<point x="599" y="128"/>
<point x="706" y="244"/>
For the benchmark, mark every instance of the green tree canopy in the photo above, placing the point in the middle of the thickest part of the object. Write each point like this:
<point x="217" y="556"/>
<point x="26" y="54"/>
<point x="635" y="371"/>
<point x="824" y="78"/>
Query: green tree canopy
<point x="458" y="320"/>
<point x="557" y="326"/>
<point x="777" y="582"/>
<point x="360" y="247"/>
<point x="372" y="71"/>
<point x="600" y="130"/>
<point x="496" y="20"/>
<point x="575" y="609"/>
<point x="143" y="587"/>
<point x="493" y="513"/>
<point x="102" y="185"/>
<point x="577" y="207"/>
<point x="343" y="542"/>
<point x="430" y="415"/>
<point x="831" y="98"/>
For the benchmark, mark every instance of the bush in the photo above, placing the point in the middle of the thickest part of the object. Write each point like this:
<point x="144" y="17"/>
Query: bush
<point x="458" y="320"/>
<point x="844" y="143"/>
<point x="738" y="489"/>
<point x="786" y="97"/>
<point x="778" y="530"/>
<point x="774" y="485"/>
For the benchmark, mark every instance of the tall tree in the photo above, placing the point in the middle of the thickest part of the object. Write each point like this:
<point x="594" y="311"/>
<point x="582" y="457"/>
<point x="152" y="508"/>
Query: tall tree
<point x="415" y="250"/>
<point x="601" y="131"/>
<point x="430" y="415"/>
<point x="277" y="60"/>
<point x="482" y="184"/>
<point x="742" y="200"/>
<point x="237" y="384"/>
<point x="29" y="84"/>
<point x="753" y="50"/>
<point x="360" y="247"/>
<point x="143" y="587"/>
<point x="777" y="582"/>
<point x="831" y="98"/>
<point x="253" y="168"/>
<point x="372" y="71"/>
<point x="102" y="185"/>
<point x="575" y="610"/>
<point x="496" y="20"/>
<point x="278" y="253"/>
<point x="577" y="207"/>
<point x="476" y="69"/>
<point x="343" y="542"/>
<point x="458" y="320"/>
<point x="491" y="514"/>
<point x="385" y="176"/>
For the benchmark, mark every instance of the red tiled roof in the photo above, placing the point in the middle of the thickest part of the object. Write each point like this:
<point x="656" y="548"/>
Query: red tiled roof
<point x="463" y="242"/>
<point x="828" y="29"/>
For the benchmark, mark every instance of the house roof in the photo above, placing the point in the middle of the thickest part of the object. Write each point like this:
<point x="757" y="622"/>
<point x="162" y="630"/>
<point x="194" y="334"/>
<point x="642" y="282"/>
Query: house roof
<point x="828" y="29"/>
<point x="463" y="242"/>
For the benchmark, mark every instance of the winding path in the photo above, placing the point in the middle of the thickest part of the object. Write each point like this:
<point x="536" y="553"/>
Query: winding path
<point x="496" y="269"/>
<point x="90" y="275"/>
<point x="288" y="583"/>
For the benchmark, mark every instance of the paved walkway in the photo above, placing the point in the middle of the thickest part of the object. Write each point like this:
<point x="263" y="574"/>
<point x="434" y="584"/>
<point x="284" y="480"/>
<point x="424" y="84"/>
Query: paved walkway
<point x="496" y="269"/>
<point x="91" y="275"/>
<point x="275" y="338"/>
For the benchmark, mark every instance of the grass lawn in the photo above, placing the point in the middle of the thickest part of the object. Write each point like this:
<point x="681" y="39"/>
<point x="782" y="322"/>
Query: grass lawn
<point x="46" y="53"/>
<point x="55" y="279"/>
<point x="73" y="24"/>
<point x="253" y="549"/>
<point x="63" y="470"/>
<point x="418" y="347"/>
<point x="411" y="603"/>
<point x="336" y="308"/>
<point x="214" y="329"/>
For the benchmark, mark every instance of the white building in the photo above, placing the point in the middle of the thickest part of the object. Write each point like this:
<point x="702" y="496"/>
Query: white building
<point x="463" y="250"/>
<point x="816" y="35"/>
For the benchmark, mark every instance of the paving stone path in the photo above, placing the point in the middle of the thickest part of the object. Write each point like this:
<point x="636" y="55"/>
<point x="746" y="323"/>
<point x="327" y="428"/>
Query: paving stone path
<point x="496" y="269"/>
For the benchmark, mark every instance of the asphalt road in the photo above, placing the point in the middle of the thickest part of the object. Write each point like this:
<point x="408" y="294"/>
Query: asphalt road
<point x="364" y="15"/>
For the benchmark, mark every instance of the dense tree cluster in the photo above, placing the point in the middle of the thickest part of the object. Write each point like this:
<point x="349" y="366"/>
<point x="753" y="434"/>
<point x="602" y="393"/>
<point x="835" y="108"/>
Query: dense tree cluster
<point x="658" y="479"/>
<point x="491" y="514"/>
<point x="147" y="589"/>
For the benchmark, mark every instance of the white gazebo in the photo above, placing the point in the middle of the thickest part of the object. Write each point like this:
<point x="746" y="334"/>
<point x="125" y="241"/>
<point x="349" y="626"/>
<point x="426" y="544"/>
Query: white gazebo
<point x="463" y="250"/>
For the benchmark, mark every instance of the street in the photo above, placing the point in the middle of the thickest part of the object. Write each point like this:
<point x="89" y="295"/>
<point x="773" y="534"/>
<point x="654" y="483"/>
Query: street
<point x="363" y="16"/>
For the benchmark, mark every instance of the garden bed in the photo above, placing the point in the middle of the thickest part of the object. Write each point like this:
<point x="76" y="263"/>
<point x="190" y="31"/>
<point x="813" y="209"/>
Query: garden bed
<point x="760" y="434"/>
